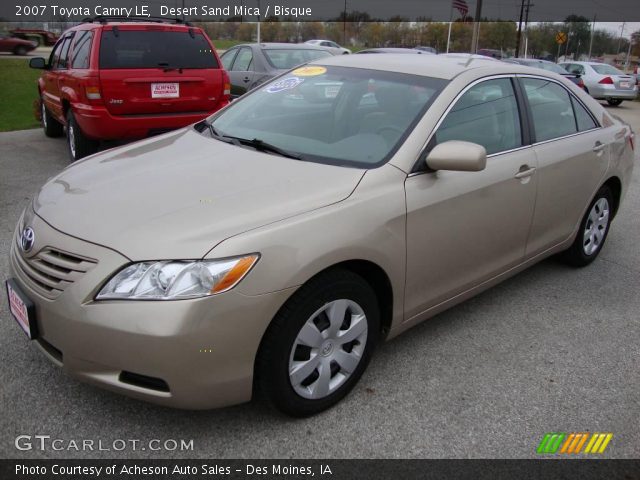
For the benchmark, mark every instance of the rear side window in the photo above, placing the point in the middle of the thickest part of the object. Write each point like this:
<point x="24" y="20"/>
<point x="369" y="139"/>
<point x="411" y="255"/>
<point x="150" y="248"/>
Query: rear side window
<point x="155" y="49"/>
<point x="551" y="109"/>
<point x="583" y="119"/>
<point x="82" y="50"/>
<point x="486" y="114"/>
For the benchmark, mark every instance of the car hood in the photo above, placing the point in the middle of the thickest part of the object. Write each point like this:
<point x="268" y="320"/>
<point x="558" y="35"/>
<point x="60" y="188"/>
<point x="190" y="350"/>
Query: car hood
<point x="177" y="196"/>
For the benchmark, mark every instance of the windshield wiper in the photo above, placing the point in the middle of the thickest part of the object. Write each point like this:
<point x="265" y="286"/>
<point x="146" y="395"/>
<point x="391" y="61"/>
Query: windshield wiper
<point x="256" y="143"/>
<point x="263" y="146"/>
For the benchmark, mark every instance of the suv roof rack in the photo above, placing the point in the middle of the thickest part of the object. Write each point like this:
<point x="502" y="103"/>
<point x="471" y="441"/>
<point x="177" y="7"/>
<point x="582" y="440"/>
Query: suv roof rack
<point x="108" y="18"/>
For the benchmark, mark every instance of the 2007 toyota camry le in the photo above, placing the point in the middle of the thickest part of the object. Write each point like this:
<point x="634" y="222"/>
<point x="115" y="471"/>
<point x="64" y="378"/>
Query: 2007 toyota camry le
<point x="266" y="250"/>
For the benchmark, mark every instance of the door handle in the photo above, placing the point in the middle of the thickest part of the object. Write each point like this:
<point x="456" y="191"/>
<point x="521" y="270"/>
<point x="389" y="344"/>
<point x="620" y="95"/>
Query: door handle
<point x="246" y="79"/>
<point x="598" y="147"/>
<point x="524" y="172"/>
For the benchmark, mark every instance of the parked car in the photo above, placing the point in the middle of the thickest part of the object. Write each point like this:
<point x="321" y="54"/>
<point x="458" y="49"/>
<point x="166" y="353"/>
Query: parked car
<point x="550" y="67"/>
<point x="286" y="237"/>
<point x="490" y="52"/>
<point x="333" y="46"/>
<point x="414" y="51"/>
<point x="426" y="49"/>
<point x="467" y="56"/>
<point x="37" y="35"/>
<point x="17" y="46"/>
<point x="122" y="79"/>
<point x="252" y="64"/>
<point x="604" y="82"/>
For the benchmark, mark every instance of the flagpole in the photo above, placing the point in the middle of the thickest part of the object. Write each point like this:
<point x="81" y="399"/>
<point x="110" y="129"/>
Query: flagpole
<point x="450" y="21"/>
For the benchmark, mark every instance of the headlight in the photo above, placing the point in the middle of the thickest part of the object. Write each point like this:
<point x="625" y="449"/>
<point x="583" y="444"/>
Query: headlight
<point x="173" y="280"/>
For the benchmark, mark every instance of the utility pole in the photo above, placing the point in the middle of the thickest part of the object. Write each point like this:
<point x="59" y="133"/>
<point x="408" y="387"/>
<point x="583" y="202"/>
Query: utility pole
<point x="519" y="30"/>
<point x="476" y="27"/>
<point x="593" y="28"/>
<point x="258" y="29"/>
<point x="344" y="24"/>
<point x="526" y="28"/>
<point x="620" y="39"/>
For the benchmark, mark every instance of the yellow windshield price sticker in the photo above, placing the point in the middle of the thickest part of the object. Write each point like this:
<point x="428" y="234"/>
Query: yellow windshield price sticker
<point x="310" y="71"/>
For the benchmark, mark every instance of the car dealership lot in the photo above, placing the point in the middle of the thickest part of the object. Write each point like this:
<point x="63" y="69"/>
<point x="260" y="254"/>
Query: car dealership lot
<point x="551" y="350"/>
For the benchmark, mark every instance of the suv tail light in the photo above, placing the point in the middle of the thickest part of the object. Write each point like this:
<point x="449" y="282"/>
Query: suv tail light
<point x="93" y="94"/>
<point x="226" y="94"/>
<point x="580" y="83"/>
<point x="606" y="81"/>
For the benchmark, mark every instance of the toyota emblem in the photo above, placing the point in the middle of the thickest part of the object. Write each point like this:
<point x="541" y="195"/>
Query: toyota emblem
<point x="27" y="239"/>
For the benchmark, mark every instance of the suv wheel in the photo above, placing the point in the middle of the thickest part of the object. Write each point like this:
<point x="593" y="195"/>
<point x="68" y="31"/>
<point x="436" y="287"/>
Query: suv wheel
<point x="51" y="127"/>
<point x="319" y="344"/>
<point x="614" y="101"/>
<point x="78" y="144"/>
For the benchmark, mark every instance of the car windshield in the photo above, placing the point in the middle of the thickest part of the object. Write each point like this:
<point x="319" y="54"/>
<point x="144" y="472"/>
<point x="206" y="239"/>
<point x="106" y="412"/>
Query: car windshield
<point x="606" y="70"/>
<point x="286" y="58"/>
<point x="155" y="49"/>
<point x="337" y="115"/>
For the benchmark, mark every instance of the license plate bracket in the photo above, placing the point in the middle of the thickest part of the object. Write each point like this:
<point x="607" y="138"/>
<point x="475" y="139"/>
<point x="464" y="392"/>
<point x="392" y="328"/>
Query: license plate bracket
<point x="165" y="90"/>
<point x="22" y="309"/>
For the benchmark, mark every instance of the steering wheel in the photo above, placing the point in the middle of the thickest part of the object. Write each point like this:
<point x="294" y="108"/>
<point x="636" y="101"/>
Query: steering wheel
<point x="398" y="130"/>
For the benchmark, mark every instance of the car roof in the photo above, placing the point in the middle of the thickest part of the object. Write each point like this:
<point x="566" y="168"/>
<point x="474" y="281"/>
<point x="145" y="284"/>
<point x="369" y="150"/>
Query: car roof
<point x="282" y="46"/>
<point x="437" y="66"/>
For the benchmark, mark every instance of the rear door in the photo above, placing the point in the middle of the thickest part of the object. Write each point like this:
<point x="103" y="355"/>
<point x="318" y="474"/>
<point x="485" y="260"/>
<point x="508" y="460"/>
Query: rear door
<point x="158" y="70"/>
<point x="573" y="156"/>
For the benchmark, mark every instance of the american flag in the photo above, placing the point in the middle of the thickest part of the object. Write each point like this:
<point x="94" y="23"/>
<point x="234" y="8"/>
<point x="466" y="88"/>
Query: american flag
<point x="461" y="6"/>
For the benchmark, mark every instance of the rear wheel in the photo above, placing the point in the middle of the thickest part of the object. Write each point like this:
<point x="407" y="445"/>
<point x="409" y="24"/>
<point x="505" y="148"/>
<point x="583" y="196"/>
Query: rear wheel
<point x="593" y="231"/>
<point x="614" y="102"/>
<point x="51" y="127"/>
<point x="319" y="344"/>
<point x="79" y="146"/>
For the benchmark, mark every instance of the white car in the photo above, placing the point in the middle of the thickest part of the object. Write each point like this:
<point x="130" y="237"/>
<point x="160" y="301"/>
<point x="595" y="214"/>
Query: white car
<point x="333" y="46"/>
<point x="604" y="82"/>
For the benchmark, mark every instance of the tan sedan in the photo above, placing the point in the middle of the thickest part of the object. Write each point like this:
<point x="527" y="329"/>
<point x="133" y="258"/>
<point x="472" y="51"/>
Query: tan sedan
<point x="269" y="249"/>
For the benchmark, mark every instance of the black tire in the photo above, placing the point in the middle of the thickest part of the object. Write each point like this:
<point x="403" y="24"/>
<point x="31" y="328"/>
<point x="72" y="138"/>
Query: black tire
<point x="272" y="363"/>
<point x="576" y="255"/>
<point x="614" y="102"/>
<point x="52" y="127"/>
<point x="20" y="50"/>
<point x="78" y="145"/>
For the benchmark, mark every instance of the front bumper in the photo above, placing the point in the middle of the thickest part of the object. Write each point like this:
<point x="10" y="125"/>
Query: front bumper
<point x="203" y="350"/>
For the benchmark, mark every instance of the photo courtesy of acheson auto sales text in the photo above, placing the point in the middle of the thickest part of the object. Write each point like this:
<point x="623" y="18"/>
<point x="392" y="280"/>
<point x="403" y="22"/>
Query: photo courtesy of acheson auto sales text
<point x="342" y="240"/>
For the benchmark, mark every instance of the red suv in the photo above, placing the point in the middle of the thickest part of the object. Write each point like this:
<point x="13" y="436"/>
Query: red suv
<point x="110" y="78"/>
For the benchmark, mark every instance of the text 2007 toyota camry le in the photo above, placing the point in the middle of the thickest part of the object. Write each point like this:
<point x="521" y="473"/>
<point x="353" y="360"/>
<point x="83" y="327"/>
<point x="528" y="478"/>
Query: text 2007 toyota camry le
<point x="268" y="249"/>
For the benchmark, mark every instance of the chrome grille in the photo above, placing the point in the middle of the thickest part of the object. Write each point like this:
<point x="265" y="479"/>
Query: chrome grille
<point x="50" y="271"/>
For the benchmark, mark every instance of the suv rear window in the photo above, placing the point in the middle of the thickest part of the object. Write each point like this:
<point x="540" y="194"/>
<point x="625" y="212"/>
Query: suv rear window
<point x="155" y="49"/>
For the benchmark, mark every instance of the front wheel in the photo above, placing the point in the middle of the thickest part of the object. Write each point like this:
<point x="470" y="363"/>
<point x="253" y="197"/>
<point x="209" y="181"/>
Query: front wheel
<point x="78" y="145"/>
<point x="20" y="50"/>
<point x="614" y="102"/>
<point x="319" y="344"/>
<point x="593" y="231"/>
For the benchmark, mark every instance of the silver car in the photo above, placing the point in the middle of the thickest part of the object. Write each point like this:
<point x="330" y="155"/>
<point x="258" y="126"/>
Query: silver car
<point x="266" y="250"/>
<point x="604" y="82"/>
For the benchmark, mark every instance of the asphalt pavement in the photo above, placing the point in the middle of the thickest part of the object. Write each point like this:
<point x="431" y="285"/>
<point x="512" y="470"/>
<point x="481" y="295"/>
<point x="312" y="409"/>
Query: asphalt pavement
<point x="553" y="349"/>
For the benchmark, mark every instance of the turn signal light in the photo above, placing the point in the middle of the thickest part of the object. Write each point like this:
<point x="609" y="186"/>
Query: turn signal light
<point x="93" y="92"/>
<point x="606" y="81"/>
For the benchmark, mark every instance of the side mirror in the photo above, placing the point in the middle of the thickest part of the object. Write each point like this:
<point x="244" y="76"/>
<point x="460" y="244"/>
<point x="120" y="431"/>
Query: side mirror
<point x="38" y="62"/>
<point x="458" y="156"/>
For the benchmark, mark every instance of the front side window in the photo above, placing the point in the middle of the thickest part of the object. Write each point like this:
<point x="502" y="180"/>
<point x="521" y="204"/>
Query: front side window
<point x="336" y="115"/>
<point x="243" y="60"/>
<point x="551" y="109"/>
<point x="227" y="58"/>
<point x="486" y="114"/>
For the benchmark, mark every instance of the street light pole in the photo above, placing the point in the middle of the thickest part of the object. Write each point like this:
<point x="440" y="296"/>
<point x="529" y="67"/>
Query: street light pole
<point x="344" y="24"/>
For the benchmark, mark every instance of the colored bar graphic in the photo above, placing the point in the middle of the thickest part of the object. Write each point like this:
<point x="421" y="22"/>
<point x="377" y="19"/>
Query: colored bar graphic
<point x="573" y="442"/>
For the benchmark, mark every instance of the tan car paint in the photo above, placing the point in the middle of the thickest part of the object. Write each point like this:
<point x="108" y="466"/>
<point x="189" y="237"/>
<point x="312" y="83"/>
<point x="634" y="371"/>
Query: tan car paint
<point x="439" y="237"/>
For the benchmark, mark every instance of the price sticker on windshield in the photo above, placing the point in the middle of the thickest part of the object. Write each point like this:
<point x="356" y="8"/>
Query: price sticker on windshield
<point x="284" y="84"/>
<point x="310" y="71"/>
